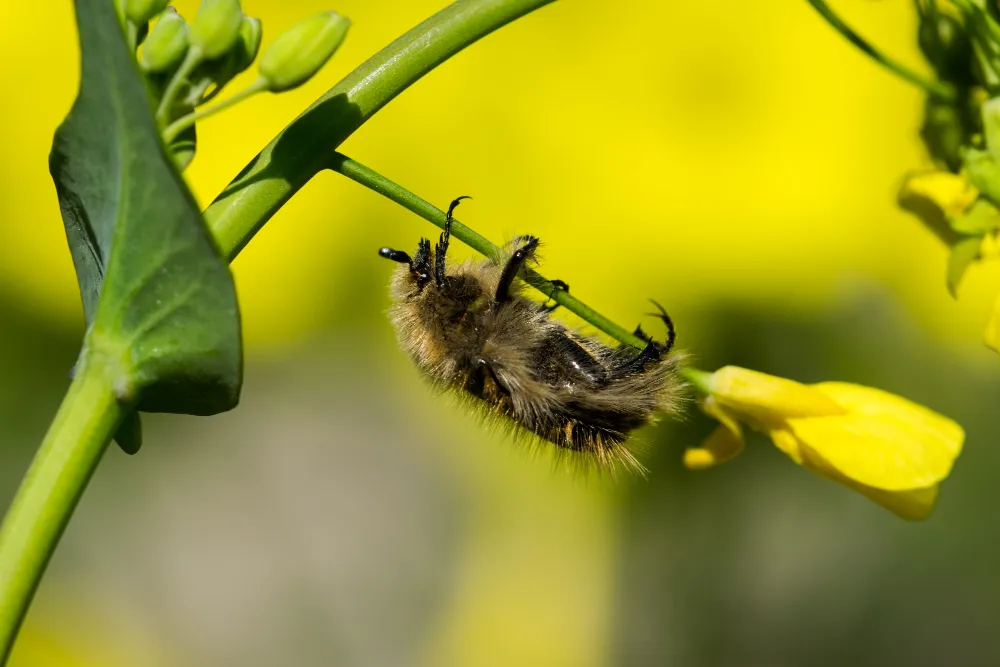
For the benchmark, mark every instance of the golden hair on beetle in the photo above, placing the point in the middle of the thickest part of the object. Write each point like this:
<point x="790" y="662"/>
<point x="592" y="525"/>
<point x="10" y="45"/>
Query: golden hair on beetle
<point x="467" y="328"/>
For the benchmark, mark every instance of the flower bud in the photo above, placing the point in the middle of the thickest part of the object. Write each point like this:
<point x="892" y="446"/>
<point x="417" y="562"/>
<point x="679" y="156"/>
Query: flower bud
<point x="242" y="55"/>
<point x="248" y="46"/>
<point x="166" y="45"/>
<point x="299" y="52"/>
<point x="141" y="11"/>
<point x="217" y="27"/>
<point x="223" y="70"/>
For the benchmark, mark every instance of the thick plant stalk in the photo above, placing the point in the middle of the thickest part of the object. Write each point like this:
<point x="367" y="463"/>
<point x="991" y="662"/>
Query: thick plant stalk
<point x="303" y="148"/>
<point x="76" y="440"/>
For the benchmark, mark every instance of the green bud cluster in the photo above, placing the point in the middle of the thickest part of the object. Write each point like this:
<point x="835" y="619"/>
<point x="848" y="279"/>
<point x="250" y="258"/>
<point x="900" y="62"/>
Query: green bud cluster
<point x="961" y="41"/>
<point x="189" y="65"/>
<point x="952" y="126"/>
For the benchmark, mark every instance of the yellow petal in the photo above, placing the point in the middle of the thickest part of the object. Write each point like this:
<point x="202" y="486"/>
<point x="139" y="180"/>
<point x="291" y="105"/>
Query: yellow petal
<point x="721" y="446"/>
<point x="989" y="246"/>
<point x="766" y="400"/>
<point x="992" y="335"/>
<point x="881" y="451"/>
<point x="935" y="197"/>
<point x="875" y="402"/>
<point x="949" y="192"/>
<point x="712" y="408"/>
<point x="911" y="504"/>
<point x="786" y="441"/>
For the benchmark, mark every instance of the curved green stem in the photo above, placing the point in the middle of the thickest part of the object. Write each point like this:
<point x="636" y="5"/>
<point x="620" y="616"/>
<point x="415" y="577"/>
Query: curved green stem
<point x="76" y="440"/>
<point x="181" y="124"/>
<point x="934" y="88"/>
<point x="371" y="179"/>
<point x="303" y="148"/>
<point x="191" y="60"/>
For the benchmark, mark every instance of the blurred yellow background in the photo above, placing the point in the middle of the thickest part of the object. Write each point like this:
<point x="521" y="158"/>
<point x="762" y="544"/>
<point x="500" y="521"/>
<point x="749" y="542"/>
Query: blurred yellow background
<point x="736" y="161"/>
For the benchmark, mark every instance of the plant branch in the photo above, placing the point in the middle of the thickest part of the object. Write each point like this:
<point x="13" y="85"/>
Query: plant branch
<point x="187" y="121"/>
<point x="933" y="88"/>
<point x="302" y="149"/>
<point x="369" y="178"/>
<point x="191" y="61"/>
<point x="699" y="380"/>
<point x="73" y="446"/>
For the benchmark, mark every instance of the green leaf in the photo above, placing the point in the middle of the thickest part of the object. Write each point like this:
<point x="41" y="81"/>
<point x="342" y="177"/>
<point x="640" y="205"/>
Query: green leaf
<point x="158" y="297"/>
<point x="963" y="253"/>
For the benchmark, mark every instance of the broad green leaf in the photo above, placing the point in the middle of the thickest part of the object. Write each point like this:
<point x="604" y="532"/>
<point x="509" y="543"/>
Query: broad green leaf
<point x="963" y="253"/>
<point x="158" y="297"/>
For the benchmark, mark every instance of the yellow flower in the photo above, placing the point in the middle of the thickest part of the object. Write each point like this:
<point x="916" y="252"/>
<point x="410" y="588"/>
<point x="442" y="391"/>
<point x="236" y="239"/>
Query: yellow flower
<point x="937" y="197"/>
<point x="892" y="450"/>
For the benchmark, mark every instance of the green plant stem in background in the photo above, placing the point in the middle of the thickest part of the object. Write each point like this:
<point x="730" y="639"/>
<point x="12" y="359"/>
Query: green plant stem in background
<point x="361" y="174"/>
<point x="181" y="124"/>
<point x="193" y="58"/>
<point x="935" y="88"/>
<point x="76" y="440"/>
<point x="303" y="148"/>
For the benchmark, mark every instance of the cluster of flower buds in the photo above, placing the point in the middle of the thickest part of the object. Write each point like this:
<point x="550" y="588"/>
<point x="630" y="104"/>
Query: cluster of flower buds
<point x="188" y="65"/>
<point x="960" y="199"/>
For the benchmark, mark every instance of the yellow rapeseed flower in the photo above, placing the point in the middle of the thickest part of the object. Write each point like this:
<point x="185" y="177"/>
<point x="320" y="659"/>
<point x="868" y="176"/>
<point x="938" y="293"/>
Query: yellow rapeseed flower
<point x="950" y="193"/>
<point x="937" y="197"/>
<point x="892" y="450"/>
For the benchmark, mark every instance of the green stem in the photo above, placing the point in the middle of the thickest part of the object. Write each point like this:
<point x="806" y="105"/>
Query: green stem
<point x="131" y="35"/>
<point x="371" y="179"/>
<point x="76" y="440"/>
<point x="302" y="149"/>
<point x="700" y="380"/>
<point x="187" y="121"/>
<point x="191" y="60"/>
<point x="934" y="88"/>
